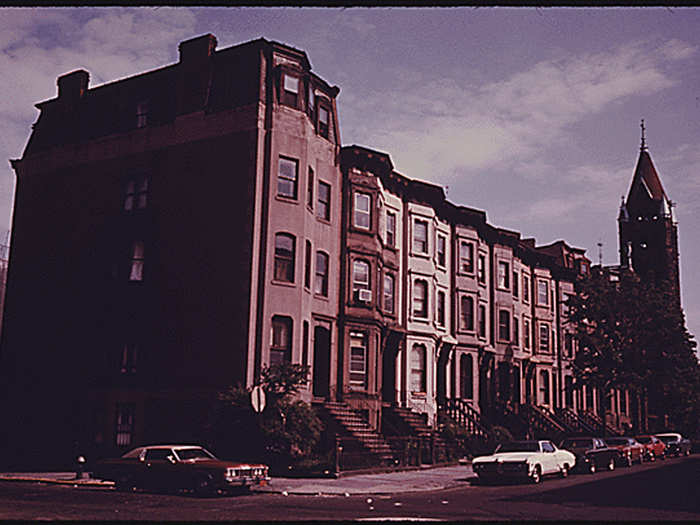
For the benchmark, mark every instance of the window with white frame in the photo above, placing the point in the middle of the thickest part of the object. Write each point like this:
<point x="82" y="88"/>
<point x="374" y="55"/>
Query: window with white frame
<point x="526" y="333"/>
<point x="137" y="261"/>
<point x="542" y="292"/>
<point x="418" y="366"/>
<point x="441" y="250"/>
<point x="544" y="338"/>
<point x="310" y="189"/>
<point x="420" y="298"/>
<point x="284" y="257"/>
<point x="466" y="257"/>
<point x="281" y="344"/>
<point x="362" y="290"/>
<point x="526" y="288"/>
<point x="324" y="201"/>
<point x="482" y="320"/>
<point x="307" y="264"/>
<point x="466" y="313"/>
<point x="290" y="90"/>
<point x="504" y="325"/>
<point x="481" y="268"/>
<point x="362" y="215"/>
<point x="124" y="428"/>
<point x="503" y="275"/>
<point x="420" y="236"/>
<point x="358" y="359"/>
<point x="321" y="284"/>
<point x="287" y="176"/>
<point x="390" y="235"/>
<point x="323" y="120"/>
<point x="388" y="293"/>
<point x="440" y="308"/>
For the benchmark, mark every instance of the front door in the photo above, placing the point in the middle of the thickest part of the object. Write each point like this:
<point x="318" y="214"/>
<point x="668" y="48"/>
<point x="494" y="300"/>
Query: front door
<point x="322" y="353"/>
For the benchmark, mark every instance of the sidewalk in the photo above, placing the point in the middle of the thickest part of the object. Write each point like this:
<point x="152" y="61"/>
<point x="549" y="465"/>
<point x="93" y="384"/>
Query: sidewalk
<point x="423" y="479"/>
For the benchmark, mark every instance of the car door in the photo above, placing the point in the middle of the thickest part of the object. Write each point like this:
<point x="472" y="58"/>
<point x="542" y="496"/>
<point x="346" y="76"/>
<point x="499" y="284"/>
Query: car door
<point x="158" y="468"/>
<point x="550" y="458"/>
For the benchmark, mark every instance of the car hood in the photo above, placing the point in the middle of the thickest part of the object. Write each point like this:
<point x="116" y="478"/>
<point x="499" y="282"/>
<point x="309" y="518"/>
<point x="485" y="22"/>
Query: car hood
<point x="506" y="456"/>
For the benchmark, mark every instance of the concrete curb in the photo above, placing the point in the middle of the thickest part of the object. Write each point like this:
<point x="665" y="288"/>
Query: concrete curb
<point x="86" y="482"/>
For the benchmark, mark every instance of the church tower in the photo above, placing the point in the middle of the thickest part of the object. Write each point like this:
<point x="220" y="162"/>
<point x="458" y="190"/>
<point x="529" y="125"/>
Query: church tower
<point x="647" y="230"/>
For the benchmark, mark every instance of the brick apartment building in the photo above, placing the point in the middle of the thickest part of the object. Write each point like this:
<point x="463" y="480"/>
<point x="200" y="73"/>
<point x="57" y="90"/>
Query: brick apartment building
<point x="201" y="221"/>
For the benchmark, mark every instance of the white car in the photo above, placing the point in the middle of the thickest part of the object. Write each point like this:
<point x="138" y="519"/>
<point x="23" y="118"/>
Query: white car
<point x="524" y="459"/>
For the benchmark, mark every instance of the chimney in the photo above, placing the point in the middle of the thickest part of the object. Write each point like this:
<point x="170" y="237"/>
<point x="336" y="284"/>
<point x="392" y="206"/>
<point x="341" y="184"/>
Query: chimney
<point x="72" y="86"/>
<point x="197" y="49"/>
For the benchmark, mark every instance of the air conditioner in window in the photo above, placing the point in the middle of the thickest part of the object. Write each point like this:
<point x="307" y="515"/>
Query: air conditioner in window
<point x="364" y="296"/>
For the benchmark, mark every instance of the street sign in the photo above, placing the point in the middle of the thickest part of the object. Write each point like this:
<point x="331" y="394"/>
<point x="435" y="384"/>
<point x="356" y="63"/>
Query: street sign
<point x="257" y="398"/>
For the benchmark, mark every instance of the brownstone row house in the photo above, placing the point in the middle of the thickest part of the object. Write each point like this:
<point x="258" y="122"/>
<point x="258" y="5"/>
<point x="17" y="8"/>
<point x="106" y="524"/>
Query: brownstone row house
<point x="177" y="231"/>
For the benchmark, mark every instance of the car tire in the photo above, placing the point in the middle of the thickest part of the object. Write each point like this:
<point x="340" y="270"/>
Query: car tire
<point x="652" y="457"/>
<point x="564" y="470"/>
<point x="628" y="461"/>
<point x="124" y="484"/>
<point x="687" y="452"/>
<point x="536" y="475"/>
<point x="592" y="467"/>
<point x="641" y="458"/>
<point x="611" y="464"/>
<point x="203" y="485"/>
<point x="663" y="456"/>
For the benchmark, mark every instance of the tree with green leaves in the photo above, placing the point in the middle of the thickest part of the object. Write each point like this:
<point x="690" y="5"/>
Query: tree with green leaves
<point x="632" y="336"/>
<point x="287" y="429"/>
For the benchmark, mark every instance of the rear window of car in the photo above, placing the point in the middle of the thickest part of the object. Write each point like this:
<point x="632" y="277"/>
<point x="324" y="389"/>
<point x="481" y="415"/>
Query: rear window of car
<point x="644" y="440"/>
<point x="616" y="441"/>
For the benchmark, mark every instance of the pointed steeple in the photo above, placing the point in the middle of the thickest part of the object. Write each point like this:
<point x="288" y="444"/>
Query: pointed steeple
<point x="646" y="197"/>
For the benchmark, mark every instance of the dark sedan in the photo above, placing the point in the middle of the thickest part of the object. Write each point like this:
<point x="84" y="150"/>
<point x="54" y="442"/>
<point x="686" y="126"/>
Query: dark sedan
<point x="179" y="467"/>
<point x="592" y="454"/>
<point x="676" y="445"/>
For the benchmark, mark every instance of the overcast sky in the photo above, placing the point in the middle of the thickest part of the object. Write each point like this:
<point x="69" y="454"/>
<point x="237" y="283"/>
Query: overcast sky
<point x="529" y="114"/>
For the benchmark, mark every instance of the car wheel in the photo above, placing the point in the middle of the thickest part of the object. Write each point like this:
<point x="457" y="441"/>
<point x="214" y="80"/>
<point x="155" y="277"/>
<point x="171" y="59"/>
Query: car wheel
<point x="124" y="484"/>
<point x="641" y="458"/>
<point x="687" y="452"/>
<point x="628" y="460"/>
<point x="611" y="464"/>
<point x="652" y="456"/>
<point x="564" y="470"/>
<point x="663" y="456"/>
<point x="536" y="475"/>
<point x="592" y="467"/>
<point x="203" y="485"/>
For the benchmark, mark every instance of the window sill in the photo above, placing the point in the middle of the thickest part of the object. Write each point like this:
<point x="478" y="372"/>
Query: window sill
<point x="323" y="220"/>
<point x="421" y="255"/>
<point x="320" y="297"/>
<point x="283" y="283"/>
<point x="288" y="200"/>
<point x="419" y="395"/>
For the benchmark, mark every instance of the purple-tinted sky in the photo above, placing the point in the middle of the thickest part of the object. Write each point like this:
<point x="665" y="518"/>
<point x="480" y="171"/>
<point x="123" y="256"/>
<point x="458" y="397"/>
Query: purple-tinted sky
<point x="530" y="114"/>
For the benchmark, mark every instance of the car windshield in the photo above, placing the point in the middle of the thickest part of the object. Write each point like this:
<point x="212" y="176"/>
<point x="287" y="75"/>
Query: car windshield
<point x="576" y="443"/>
<point x="617" y="441"/>
<point x="667" y="439"/>
<point x="193" y="453"/>
<point x="644" y="440"/>
<point x="519" y="446"/>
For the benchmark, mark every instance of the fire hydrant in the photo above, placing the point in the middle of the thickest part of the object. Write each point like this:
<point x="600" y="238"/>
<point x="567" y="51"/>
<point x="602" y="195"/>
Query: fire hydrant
<point x="79" y="467"/>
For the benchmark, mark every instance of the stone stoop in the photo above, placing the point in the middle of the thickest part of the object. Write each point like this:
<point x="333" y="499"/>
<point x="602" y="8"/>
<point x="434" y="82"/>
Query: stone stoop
<point x="349" y="423"/>
<point x="408" y="420"/>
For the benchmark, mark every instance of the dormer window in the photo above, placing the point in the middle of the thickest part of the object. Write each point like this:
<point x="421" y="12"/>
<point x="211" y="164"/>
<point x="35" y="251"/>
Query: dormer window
<point x="290" y="91"/>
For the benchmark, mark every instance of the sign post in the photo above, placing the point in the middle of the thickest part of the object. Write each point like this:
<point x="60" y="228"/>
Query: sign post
<point x="257" y="399"/>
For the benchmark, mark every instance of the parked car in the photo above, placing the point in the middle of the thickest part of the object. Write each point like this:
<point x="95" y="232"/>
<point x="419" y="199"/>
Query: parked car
<point x="630" y="450"/>
<point x="179" y="467"/>
<point x="653" y="447"/>
<point x="592" y="454"/>
<point x="676" y="445"/>
<point x="525" y="460"/>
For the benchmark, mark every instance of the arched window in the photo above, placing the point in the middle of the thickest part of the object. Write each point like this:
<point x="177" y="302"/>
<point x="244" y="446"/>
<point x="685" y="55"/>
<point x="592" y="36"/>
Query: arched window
<point x="322" y="274"/>
<point x="466" y="376"/>
<point x="418" y="355"/>
<point x="284" y="257"/>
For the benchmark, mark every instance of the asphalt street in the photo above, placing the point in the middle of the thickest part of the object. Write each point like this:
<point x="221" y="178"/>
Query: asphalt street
<point x="667" y="490"/>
